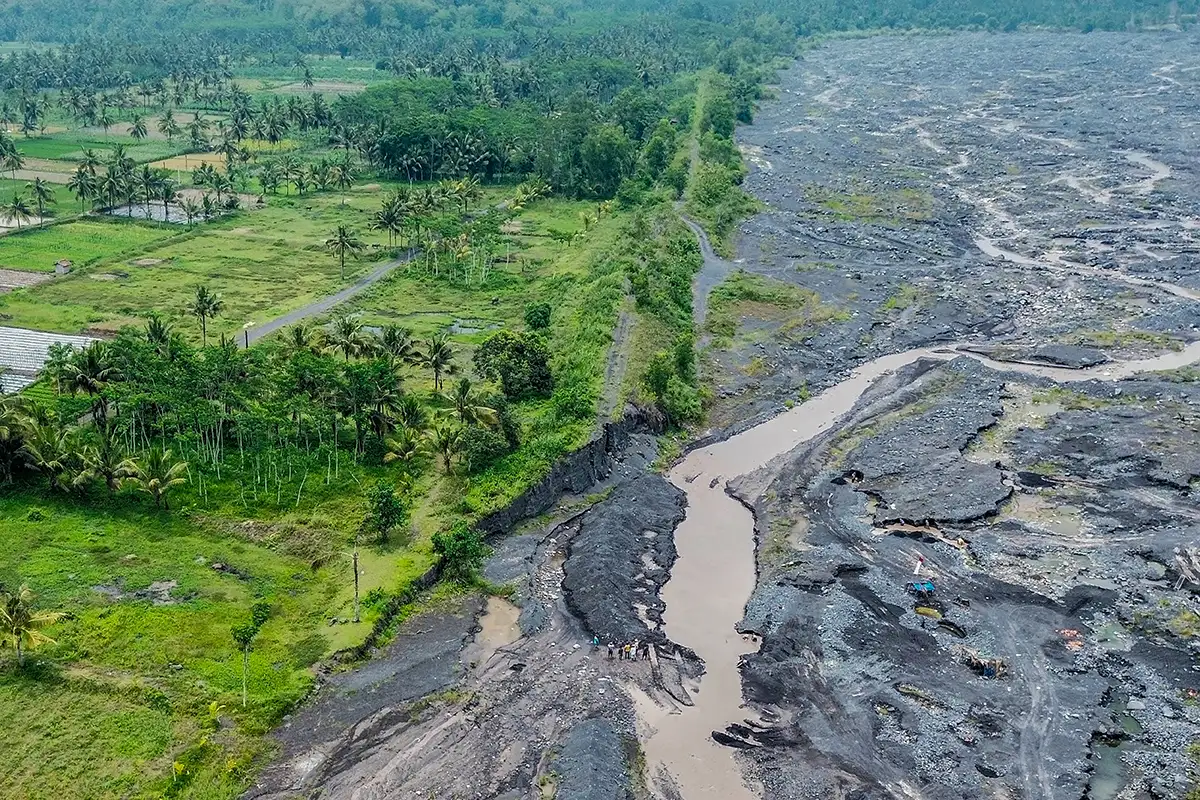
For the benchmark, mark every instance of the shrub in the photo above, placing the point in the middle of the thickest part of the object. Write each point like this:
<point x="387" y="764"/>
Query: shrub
<point x="681" y="402"/>
<point x="461" y="550"/>
<point x="537" y="316"/>
<point x="480" y="447"/>
<point x="520" y="362"/>
<point x="386" y="510"/>
<point x="658" y="375"/>
<point x="574" y="400"/>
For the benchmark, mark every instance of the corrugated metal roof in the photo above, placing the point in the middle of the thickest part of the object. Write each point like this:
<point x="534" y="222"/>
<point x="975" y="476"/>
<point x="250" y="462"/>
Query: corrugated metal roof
<point x="23" y="353"/>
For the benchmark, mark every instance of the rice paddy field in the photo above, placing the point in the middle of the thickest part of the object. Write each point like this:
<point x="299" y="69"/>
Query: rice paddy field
<point x="83" y="242"/>
<point x="264" y="263"/>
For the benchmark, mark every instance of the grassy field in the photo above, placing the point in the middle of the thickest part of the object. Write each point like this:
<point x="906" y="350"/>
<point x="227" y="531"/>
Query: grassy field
<point x="126" y="689"/>
<point x="124" y="695"/>
<point x="264" y="263"/>
<point x="69" y="145"/>
<point x="83" y="242"/>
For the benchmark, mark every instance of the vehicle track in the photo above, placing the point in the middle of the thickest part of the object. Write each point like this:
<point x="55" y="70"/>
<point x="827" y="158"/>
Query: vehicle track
<point x="381" y="271"/>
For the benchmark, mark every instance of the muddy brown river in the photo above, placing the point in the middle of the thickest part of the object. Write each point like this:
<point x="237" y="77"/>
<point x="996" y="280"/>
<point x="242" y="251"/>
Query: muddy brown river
<point x="715" y="571"/>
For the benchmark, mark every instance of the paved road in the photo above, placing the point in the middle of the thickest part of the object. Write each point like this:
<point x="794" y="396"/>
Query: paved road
<point x="325" y="303"/>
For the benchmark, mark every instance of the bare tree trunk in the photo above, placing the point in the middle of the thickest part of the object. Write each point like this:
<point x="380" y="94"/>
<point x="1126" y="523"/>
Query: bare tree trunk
<point x="356" y="617"/>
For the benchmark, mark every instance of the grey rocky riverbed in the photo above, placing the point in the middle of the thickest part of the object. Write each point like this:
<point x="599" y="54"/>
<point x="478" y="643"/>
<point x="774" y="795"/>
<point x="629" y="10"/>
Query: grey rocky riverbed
<point x="998" y="231"/>
<point x="930" y="189"/>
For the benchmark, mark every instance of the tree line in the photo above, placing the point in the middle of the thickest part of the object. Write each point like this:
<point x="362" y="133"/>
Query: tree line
<point x="151" y="411"/>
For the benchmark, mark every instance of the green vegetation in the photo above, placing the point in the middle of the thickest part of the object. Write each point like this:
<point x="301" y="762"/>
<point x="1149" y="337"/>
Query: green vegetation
<point x="795" y="310"/>
<point x="714" y="195"/>
<point x="84" y="242"/>
<point x="905" y="297"/>
<point x="894" y="207"/>
<point x="201" y="512"/>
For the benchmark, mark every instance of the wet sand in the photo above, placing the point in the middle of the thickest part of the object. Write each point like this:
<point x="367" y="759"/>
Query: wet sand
<point x="498" y="628"/>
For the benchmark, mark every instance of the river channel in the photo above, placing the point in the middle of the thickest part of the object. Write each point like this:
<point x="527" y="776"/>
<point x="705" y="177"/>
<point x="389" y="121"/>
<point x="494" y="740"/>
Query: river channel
<point x="715" y="572"/>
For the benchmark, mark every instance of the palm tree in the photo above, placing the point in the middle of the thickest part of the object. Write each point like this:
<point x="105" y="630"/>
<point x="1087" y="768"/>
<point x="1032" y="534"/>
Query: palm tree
<point x="137" y="128"/>
<point x="412" y="414"/>
<point x="157" y="474"/>
<point x="301" y="338"/>
<point x="13" y="161"/>
<point x="398" y="343"/>
<point x="386" y="219"/>
<point x="42" y="194"/>
<point x="438" y="356"/>
<point x="48" y="449"/>
<point x="342" y="242"/>
<point x="91" y="371"/>
<point x="168" y="126"/>
<point x="104" y="119"/>
<point x="112" y="185"/>
<point x="147" y="184"/>
<point x="446" y="438"/>
<point x="346" y="334"/>
<point x="21" y="626"/>
<point x="107" y="462"/>
<point x="342" y="173"/>
<point x="90" y="161"/>
<point x="158" y="333"/>
<point x="204" y="306"/>
<point x="18" y="211"/>
<point x="404" y="446"/>
<point x="12" y="434"/>
<point x="469" y="408"/>
<point x="83" y="185"/>
<point x="167" y="194"/>
<point x="191" y="209"/>
<point x="385" y="393"/>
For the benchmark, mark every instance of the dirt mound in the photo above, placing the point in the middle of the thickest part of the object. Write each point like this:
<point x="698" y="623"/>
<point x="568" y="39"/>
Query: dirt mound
<point x="621" y="557"/>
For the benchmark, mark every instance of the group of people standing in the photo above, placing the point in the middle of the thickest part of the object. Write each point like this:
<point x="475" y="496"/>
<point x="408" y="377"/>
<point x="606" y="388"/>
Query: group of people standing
<point x="634" y="651"/>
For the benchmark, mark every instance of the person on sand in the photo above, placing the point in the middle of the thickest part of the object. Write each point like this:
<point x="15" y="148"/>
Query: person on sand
<point x="610" y="651"/>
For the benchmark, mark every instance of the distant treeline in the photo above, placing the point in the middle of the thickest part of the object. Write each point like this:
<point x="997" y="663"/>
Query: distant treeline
<point x="375" y="27"/>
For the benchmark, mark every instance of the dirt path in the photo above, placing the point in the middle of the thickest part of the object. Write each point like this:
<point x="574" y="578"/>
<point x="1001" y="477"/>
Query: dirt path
<point x="377" y="274"/>
<point x="618" y="363"/>
<point x="711" y="274"/>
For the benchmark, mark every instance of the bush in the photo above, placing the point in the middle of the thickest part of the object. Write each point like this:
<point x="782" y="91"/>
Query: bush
<point x="461" y="551"/>
<point x="658" y="375"/>
<point x="681" y="402"/>
<point x="537" y="316"/>
<point x="480" y="447"/>
<point x="574" y="400"/>
<point x="519" y="362"/>
<point x="676" y="175"/>
<point x="685" y="357"/>
<point x="386" y="510"/>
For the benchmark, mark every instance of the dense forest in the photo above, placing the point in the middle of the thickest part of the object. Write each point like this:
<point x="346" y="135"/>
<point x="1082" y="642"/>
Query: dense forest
<point x="368" y="26"/>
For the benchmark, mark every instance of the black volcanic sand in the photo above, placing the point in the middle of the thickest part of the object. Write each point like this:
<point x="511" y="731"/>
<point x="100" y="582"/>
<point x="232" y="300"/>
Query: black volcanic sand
<point x="883" y="160"/>
<point x="1048" y="519"/>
